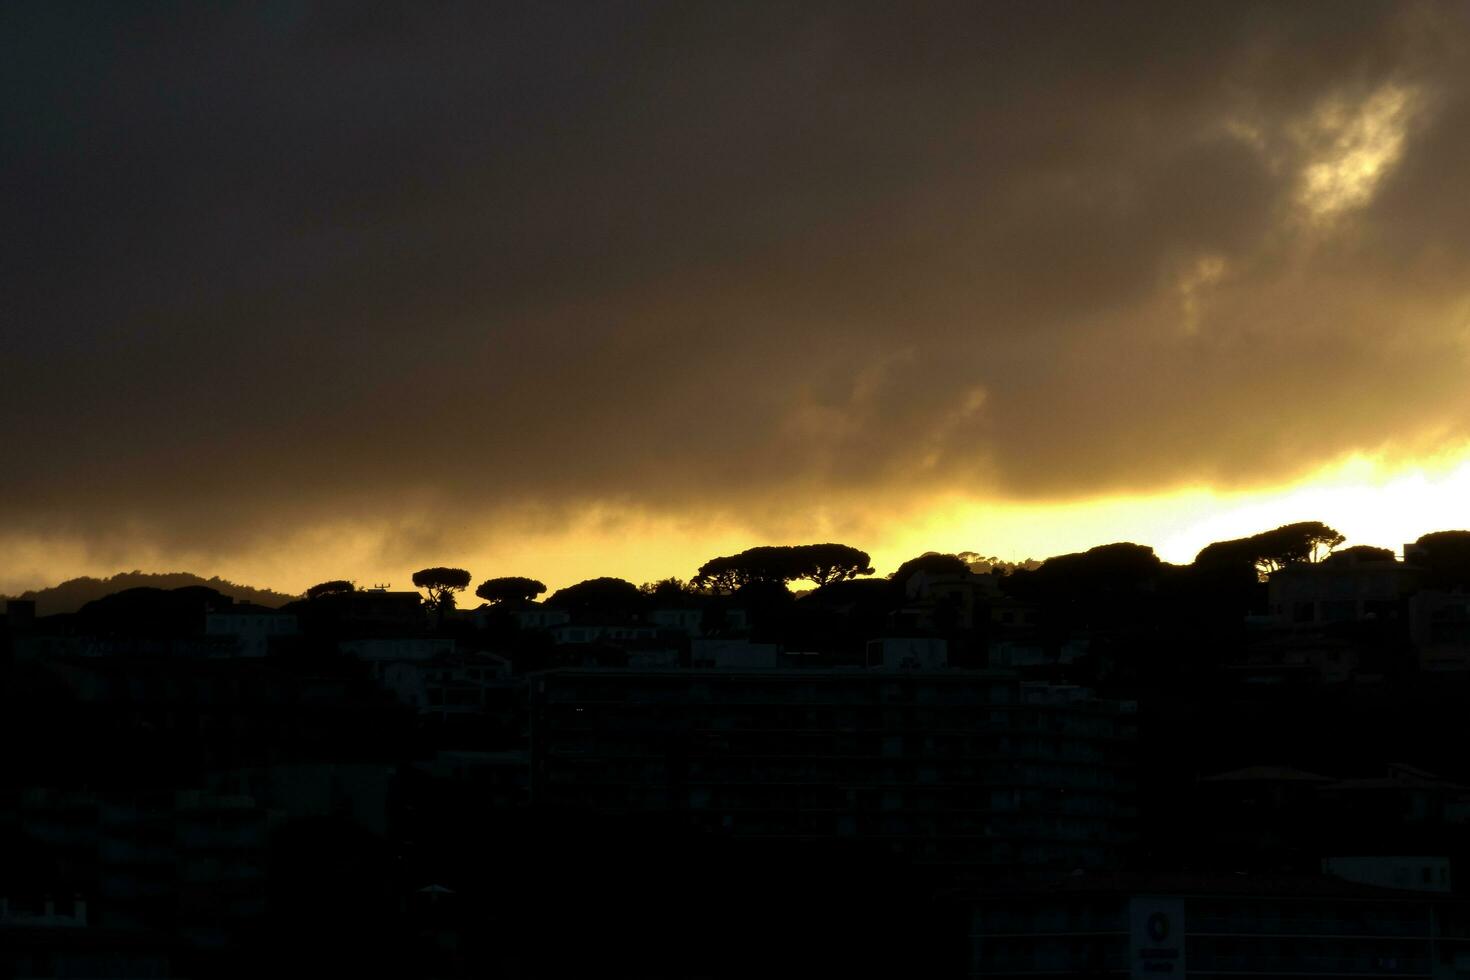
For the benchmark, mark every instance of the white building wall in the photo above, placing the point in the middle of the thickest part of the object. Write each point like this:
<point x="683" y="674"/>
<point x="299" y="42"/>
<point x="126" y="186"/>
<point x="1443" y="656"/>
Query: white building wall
<point x="734" y="654"/>
<point x="909" y="653"/>
<point x="252" y="631"/>
<point x="1424" y="874"/>
<point x="397" y="648"/>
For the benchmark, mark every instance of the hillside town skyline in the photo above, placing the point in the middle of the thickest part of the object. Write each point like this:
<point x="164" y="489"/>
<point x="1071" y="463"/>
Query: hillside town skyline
<point x="1371" y="501"/>
<point x="93" y="586"/>
<point x="692" y="490"/>
<point x="953" y="770"/>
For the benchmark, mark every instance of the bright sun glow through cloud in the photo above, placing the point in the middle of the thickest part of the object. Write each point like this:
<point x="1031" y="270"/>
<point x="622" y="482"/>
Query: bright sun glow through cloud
<point x="1358" y="146"/>
<point x="1369" y="502"/>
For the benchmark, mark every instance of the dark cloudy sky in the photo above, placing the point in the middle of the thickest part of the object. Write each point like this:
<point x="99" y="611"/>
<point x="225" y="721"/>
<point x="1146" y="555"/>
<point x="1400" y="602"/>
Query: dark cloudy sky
<point x="296" y="290"/>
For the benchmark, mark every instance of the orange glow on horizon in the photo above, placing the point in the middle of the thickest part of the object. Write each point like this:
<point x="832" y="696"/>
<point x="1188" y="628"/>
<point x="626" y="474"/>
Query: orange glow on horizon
<point x="1368" y="500"/>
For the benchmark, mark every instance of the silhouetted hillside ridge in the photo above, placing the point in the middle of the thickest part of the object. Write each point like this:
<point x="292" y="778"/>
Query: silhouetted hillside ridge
<point x="74" y="593"/>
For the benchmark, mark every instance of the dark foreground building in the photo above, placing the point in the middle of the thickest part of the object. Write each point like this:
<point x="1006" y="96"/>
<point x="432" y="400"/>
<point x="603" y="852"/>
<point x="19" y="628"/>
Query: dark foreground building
<point x="974" y="771"/>
<point x="1175" y="925"/>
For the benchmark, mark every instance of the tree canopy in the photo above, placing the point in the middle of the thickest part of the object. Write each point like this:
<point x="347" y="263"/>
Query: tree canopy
<point x="668" y="590"/>
<point x="1445" y="558"/>
<point x="598" y="598"/>
<point x="1362" y="552"/>
<point x="933" y="563"/>
<point x="719" y="575"/>
<point x="1271" y="551"/>
<point x="820" y="563"/>
<point x="1444" y="541"/>
<point x="1107" y="567"/>
<point x="334" y="587"/>
<point x="509" y="590"/>
<point x="830" y="562"/>
<point x="442" y="583"/>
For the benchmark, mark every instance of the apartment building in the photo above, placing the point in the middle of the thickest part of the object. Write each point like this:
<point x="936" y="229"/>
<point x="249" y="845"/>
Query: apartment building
<point x="966" y="768"/>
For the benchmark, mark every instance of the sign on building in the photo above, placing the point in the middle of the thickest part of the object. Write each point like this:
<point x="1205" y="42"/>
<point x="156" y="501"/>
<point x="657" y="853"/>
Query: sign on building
<point x="1155" y="937"/>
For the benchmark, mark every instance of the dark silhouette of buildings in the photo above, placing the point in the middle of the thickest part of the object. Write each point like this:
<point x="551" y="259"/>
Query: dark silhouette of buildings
<point x="968" y="769"/>
<point x="943" y="774"/>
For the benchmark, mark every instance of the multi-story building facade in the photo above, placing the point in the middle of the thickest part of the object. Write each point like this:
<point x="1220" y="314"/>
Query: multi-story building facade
<point x="1341" y="589"/>
<point x="965" y="768"/>
<point x="255" y="629"/>
<point x="1176" y="926"/>
<point x="187" y="862"/>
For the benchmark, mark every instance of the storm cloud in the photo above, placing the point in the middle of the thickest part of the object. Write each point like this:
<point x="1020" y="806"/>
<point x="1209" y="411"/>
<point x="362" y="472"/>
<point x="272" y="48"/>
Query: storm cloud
<point x="787" y="265"/>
